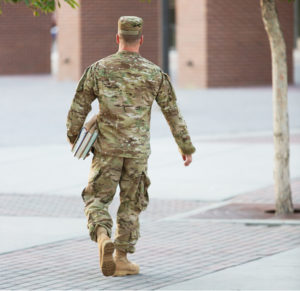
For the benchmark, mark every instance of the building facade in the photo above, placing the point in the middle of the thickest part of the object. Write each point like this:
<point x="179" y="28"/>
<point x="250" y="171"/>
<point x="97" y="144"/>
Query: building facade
<point x="25" y="41"/>
<point x="89" y="33"/>
<point x="224" y="43"/>
<point x="219" y="43"/>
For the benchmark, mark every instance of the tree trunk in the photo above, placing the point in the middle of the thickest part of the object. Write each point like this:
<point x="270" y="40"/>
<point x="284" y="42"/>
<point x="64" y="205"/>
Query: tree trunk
<point x="281" y="172"/>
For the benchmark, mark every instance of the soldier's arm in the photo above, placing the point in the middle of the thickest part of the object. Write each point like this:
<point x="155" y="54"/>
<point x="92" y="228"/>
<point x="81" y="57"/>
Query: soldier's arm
<point x="166" y="99"/>
<point x="81" y="104"/>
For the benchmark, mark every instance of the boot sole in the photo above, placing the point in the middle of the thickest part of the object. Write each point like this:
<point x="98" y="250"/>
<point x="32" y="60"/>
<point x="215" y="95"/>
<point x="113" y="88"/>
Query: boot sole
<point x="124" y="273"/>
<point x="108" y="266"/>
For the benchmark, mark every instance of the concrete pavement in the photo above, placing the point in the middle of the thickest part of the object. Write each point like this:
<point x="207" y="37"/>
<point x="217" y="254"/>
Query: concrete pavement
<point x="232" y="130"/>
<point x="33" y="129"/>
<point x="277" y="272"/>
<point x="19" y="232"/>
<point x="37" y="117"/>
<point x="238" y="166"/>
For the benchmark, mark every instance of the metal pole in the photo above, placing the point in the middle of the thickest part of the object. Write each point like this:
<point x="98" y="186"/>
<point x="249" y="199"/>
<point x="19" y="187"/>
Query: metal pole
<point x="165" y="35"/>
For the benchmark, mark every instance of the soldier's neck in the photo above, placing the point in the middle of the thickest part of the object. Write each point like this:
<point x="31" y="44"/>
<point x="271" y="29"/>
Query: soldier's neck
<point x="134" y="49"/>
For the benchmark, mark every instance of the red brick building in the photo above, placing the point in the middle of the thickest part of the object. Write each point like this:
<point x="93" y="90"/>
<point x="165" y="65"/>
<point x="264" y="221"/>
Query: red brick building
<point x="25" y="41"/>
<point x="224" y="43"/>
<point x="88" y="34"/>
<point x="219" y="42"/>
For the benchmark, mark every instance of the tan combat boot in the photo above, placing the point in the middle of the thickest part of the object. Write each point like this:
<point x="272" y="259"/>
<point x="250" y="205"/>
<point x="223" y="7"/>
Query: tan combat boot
<point x="106" y="249"/>
<point x="123" y="266"/>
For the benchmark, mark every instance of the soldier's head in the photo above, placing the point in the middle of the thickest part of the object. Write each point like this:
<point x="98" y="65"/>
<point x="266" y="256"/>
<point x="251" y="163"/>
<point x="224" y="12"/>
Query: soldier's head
<point x="130" y="31"/>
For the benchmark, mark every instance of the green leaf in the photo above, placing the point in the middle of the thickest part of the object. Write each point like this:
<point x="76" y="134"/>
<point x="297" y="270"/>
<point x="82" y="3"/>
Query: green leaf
<point x="42" y="6"/>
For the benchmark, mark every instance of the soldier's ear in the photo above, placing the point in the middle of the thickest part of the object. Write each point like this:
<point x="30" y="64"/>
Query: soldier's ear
<point x="117" y="39"/>
<point x="141" y="39"/>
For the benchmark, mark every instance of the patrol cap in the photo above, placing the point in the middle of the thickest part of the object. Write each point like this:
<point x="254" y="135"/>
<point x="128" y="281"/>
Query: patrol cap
<point x="130" y="25"/>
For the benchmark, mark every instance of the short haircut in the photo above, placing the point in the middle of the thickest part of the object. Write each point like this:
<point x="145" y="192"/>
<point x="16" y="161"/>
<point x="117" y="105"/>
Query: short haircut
<point x="130" y="39"/>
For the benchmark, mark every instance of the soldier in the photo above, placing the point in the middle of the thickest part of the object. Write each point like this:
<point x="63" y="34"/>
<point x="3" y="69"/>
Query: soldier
<point x="125" y="84"/>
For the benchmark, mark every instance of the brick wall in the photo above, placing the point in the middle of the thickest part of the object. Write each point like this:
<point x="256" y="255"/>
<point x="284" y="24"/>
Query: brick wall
<point x="96" y="30"/>
<point x="68" y="42"/>
<point x="190" y="42"/>
<point x="25" y="41"/>
<point x="236" y="44"/>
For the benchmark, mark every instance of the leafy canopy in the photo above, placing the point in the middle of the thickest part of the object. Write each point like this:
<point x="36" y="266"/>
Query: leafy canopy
<point x="43" y="6"/>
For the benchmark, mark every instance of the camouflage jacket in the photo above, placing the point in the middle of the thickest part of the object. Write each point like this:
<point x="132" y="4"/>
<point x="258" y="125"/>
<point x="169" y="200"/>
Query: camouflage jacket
<point x="126" y="84"/>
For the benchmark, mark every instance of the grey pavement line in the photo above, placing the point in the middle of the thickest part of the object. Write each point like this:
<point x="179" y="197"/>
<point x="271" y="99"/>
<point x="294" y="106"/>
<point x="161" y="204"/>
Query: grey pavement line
<point x="187" y="214"/>
<point x="238" y="146"/>
<point x="53" y="190"/>
<point x="198" y="138"/>
<point x="195" y="211"/>
<point x="272" y="222"/>
<point x="130" y="284"/>
<point x="207" y="156"/>
<point x="227" y="268"/>
<point x="61" y="241"/>
<point x="234" y="196"/>
<point x="227" y="201"/>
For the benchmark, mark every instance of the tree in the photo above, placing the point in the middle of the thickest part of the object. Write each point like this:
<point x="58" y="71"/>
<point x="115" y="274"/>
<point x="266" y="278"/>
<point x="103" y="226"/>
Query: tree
<point x="44" y="6"/>
<point x="281" y="171"/>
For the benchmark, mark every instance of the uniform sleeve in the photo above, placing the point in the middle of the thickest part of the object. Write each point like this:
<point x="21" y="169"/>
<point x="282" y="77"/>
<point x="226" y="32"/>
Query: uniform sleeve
<point x="81" y="104"/>
<point x="166" y="99"/>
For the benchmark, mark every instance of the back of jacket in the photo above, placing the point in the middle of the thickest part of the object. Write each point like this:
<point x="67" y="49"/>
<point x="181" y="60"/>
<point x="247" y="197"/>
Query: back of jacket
<point x="127" y="87"/>
<point x="126" y="84"/>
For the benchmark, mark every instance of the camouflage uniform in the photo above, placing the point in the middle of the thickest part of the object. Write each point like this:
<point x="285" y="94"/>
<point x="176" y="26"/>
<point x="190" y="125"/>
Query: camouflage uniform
<point x="126" y="85"/>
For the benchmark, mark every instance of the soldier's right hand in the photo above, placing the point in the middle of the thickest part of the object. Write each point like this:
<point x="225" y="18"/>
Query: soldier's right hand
<point x="187" y="159"/>
<point x="70" y="143"/>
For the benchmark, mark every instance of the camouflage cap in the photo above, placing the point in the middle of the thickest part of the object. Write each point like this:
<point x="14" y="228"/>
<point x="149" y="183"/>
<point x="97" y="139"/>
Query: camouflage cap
<point x="130" y="25"/>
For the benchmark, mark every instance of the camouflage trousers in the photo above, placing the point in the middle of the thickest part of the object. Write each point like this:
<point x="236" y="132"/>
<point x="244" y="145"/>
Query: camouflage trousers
<point x="106" y="173"/>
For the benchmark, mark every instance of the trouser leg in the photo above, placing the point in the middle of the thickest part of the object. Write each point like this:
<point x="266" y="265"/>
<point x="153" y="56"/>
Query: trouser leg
<point x="104" y="178"/>
<point x="133" y="199"/>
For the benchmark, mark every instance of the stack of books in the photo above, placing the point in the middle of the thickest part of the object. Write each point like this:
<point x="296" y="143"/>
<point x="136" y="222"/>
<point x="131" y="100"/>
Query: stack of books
<point x="86" y="139"/>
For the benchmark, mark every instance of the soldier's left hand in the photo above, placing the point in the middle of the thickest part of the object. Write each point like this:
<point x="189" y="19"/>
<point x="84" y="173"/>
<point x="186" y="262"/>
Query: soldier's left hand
<point x="187" y="159"/>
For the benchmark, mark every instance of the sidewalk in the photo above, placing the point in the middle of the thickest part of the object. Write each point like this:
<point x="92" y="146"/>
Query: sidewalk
<point x="174" y="252"/>
<point x="282" y="274"/>
<point x="206" y="225"/>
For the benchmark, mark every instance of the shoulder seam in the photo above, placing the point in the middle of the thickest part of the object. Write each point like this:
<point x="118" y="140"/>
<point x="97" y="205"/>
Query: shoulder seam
<point x="162" y="78"/>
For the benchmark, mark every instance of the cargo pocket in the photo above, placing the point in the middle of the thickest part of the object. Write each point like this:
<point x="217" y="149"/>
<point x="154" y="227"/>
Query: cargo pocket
<point x="142" y="193"/>
<point x="88" y="193"/>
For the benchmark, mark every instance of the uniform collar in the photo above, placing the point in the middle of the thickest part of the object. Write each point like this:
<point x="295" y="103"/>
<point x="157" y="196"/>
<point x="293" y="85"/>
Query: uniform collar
<point x="124" y="52"/>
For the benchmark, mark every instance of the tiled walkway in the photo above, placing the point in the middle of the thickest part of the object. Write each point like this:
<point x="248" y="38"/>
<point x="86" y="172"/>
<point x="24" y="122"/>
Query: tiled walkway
<point x="169" y="251"/>
<point x="66" y="206"/>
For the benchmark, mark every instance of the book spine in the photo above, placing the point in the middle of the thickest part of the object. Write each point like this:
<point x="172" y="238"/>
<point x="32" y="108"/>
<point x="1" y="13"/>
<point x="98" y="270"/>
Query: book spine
<point x="84" y="143"/>
<point x="90" y="144"/>
<point x="79" y="140"/>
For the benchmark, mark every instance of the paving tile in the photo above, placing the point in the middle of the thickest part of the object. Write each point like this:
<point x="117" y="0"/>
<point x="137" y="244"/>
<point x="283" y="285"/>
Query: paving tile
<point x="238" y="210"/>
<point x="68" y="269"/>
<point x="64" y="206"/>
<point x="267" y="194"/>
<point x="168" y="252"/>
